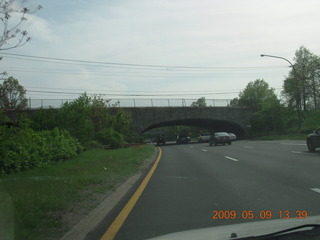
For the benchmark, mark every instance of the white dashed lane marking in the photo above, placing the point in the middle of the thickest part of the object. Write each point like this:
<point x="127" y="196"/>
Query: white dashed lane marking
<point x="230" y="158"/>
<point x="317" y="190"/>
<point x="296" y="152"/>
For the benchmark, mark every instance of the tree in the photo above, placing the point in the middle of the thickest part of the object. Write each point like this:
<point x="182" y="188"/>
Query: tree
<point x="201" y="102"/>
<point x="10" y="10"/>
<point x="255" y="94"/>
<point x="76" y="119"/>
<point x="12" y="95"/>
<point x="270" y="117"/>
<point x="12" y="14"/>
<point x="234" y="102"/>
<point x="301" y="87"/>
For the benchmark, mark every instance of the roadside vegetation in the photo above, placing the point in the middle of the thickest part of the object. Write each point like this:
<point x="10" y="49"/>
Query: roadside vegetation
<point x="55" y="135"/>
<point x="41" y="203"/>
<point x="54" y="167"/>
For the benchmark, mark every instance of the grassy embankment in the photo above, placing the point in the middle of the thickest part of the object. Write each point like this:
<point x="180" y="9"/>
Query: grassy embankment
<point x="43" y="203"/>
<point x="310" y="121"/>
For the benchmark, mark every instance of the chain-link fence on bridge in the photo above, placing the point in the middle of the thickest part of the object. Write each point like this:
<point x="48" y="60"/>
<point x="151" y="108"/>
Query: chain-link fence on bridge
<point x="57" y="103"/>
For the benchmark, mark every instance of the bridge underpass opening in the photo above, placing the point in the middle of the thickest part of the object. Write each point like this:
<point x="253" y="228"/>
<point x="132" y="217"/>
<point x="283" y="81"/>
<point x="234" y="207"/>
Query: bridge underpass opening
<point x="204" y="125"/>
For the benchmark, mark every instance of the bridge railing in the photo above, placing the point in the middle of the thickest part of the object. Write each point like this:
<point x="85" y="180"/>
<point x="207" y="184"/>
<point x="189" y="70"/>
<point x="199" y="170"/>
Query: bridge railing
<point x="134" y="102"/>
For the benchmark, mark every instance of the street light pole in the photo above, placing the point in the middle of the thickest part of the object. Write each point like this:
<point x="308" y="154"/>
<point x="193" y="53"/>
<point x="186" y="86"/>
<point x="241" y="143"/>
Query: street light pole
<point x="296" y="76"/>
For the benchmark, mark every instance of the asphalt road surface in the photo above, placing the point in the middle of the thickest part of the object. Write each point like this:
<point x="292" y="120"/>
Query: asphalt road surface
<point x="195" y="183"/>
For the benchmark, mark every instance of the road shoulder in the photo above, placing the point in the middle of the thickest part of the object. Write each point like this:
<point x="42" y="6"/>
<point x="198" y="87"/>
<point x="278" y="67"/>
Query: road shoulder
<point x="92" y="220"/>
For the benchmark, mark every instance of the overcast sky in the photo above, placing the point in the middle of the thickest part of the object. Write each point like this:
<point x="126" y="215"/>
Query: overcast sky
<point x="181" y="48"/>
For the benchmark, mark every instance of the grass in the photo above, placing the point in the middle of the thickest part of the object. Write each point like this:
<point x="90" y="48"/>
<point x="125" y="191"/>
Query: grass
<point x="33" y="204"/>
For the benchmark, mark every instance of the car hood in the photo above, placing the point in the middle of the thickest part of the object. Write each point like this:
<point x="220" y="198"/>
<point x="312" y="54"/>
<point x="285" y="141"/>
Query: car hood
<point x="242" y="230"/>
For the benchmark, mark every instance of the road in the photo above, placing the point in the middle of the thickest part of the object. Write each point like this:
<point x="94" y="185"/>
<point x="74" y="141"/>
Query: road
<point x="194" y="182"/>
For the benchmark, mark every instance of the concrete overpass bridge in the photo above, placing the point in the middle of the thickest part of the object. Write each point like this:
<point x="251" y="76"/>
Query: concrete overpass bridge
<point x="229" y="119"/>
<point x="214" y="118"/>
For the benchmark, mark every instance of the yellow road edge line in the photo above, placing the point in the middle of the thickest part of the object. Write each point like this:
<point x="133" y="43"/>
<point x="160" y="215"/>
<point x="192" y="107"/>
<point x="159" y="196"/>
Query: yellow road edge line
<point x="118" y="222"/>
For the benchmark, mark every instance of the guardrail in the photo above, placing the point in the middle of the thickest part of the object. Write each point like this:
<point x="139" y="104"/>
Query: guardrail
<point x="135" y="102"/>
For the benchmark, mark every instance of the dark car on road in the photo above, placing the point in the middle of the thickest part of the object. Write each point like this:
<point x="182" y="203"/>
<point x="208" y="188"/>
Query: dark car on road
<point x="220" y="138"/>
<point x="161" y="140"/>
<point x="313" y="140"/>
<point x="183" y="139"/>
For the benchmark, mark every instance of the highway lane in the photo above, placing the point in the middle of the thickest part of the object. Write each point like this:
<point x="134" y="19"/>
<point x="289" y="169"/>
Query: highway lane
<point x="194" y="180"/>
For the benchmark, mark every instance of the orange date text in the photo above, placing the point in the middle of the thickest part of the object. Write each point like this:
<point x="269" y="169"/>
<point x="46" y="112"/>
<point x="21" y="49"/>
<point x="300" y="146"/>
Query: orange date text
<point x="248" y="214"/>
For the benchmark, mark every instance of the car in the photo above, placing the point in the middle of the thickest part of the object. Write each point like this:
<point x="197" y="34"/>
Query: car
<point x="313" y="140"/>
<point x="181" y="138"/>
<point x="220" y="138"/>
<point x="204" y="137"/>
<point x="161" y="140"/>
<point x="148" y="140"/>
<point x="233" y="136"/>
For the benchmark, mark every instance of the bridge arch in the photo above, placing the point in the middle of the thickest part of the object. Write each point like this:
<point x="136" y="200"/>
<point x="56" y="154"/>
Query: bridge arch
<point x="236" y="120"/>
<point x="210" y="124"/>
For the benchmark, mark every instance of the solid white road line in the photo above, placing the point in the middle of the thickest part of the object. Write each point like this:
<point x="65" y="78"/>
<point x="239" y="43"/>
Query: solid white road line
<point x="230" y="158"/>
<point x="315" y="190"/>
<point x="296" y="152"/>
<point x="294" y="144"/>
<point x="205" y="150"/>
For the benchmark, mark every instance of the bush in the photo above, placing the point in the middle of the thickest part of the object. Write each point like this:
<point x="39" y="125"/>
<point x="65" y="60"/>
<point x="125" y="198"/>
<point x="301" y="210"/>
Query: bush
<point x="23" y="148"/>
<point x="108" y="136"/>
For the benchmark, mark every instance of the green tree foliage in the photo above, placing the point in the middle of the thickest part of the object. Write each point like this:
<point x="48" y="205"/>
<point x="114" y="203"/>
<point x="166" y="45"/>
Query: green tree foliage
<point x="75" y="117"/>
<point x="12" y="95"/>
<point x="255" y="94"/>
<point x="270" y="117"/>
<point x="109" y="136"/>
<point x="201" y="102"/>
<point x="302" y="86"/>
<point x="88" y="119"/>
<point x="234" y="102"/>
<point x="45" y="119"/>
<point x="270" y="113"/>
<point x="120" y="122"/>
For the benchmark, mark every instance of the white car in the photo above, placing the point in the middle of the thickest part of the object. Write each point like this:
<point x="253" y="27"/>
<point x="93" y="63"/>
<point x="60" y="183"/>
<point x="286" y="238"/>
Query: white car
<point x="233" y="136"/>
<point x="205" y="137"/>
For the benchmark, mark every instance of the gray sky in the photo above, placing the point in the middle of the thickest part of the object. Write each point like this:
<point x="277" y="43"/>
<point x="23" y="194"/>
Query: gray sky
<point x="182" y="48"/>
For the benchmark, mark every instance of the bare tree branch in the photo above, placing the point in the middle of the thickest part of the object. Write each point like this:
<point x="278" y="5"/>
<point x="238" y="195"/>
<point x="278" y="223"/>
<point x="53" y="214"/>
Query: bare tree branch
<point x="12" y="36"/>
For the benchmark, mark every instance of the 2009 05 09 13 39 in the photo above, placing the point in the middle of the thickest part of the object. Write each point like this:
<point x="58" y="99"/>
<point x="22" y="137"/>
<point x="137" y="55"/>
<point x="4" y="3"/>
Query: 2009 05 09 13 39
<point x="248" y="214"/>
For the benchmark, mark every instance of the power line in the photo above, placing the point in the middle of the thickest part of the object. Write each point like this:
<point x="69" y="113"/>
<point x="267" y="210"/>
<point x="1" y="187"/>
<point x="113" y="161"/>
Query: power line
<point x="165" y="67"/>
<point x="154" y="93"/>
<point x="113" y="90"/>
